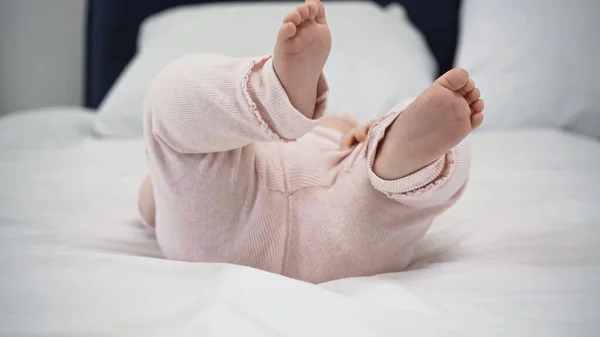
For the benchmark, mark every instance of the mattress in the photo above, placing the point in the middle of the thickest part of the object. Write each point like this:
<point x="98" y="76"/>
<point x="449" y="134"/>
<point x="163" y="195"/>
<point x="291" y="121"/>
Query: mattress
<point x="517" y="256"/>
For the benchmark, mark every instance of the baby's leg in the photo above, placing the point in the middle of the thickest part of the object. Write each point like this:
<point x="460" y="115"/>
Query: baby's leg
<point x="416" y="155"/>
<point x="301" y="50"/>
<point x="146" y="205"/>
<point x="439" y="119"/>
<point x="300" y="53"/>
<point x="213" y="125"/>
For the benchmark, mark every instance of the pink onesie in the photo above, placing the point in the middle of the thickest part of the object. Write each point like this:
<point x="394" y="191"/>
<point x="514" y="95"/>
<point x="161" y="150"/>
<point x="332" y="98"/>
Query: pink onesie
<point x="240" y="176"/>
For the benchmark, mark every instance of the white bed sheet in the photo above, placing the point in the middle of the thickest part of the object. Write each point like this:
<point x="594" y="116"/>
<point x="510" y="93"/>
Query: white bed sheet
<point x="519" y="255"/>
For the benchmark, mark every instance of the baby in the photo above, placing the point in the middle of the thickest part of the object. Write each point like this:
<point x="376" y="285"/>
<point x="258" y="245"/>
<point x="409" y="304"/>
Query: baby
<point x="245" y="169"/>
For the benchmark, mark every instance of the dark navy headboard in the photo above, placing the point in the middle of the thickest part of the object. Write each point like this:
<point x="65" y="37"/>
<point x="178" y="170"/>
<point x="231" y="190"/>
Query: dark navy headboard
<point x="112" y="29"/>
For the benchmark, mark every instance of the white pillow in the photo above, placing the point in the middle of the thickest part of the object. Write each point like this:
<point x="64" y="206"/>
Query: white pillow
<point x="51" y="128"/>
<point x="378" y="58"/>
<point x="537" y="62"/>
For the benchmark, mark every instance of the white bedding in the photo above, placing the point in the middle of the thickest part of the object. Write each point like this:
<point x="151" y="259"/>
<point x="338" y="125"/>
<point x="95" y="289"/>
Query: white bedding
<point x="519" y="255"/>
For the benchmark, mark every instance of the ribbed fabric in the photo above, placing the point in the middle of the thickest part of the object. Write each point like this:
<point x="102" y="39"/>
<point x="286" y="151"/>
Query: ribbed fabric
<point x="242" y="177"/>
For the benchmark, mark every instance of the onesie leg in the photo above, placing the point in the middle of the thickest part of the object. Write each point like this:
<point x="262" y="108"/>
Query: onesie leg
<point x="226" y="207"/>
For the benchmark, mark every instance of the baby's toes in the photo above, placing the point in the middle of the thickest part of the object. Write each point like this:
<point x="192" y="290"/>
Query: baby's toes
<point x="470" y="86"/>
<point x="313" y="9"/>
<point x="287" y="31"/>
<point x="304" y="11"/>
<point x="473" y="95"/>
<point x="476" y="120"/>
<point x="477" y="106"/>
<point x="455" y="80"/>
<point x="320" y="17"/>
<point x="294" y="17"/>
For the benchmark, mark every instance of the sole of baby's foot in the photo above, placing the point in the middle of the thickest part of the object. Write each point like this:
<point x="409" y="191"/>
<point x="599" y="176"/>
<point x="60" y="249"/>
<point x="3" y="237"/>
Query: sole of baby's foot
<point x="301" y="51"/>
<point x="435" y="122"/>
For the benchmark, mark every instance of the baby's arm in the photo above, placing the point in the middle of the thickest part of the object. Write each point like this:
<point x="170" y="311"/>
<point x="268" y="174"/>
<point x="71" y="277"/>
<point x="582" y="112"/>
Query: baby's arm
<point x="212" y="103"/>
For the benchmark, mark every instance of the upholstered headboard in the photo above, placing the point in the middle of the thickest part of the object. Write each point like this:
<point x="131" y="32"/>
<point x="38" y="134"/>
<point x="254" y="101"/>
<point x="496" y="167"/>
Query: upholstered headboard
<point x="112" y="29"/>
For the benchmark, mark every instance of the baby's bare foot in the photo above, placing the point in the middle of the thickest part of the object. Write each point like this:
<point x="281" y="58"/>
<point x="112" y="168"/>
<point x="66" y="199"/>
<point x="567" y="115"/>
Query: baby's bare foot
<point x="302" y="48"/>
<point x="439" y="119"/>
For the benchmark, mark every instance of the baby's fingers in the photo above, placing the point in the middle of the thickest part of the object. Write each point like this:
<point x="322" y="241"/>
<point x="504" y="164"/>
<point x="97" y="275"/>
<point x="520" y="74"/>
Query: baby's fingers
<point x="361" y="133"/>
<point x="356" y="135"/>
<point x="351" y="117"/>
<point x="348" y="139"/>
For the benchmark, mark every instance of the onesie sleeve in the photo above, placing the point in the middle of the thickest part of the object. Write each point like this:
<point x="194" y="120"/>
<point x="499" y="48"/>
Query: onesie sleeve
<point x="437" y="184"/>
<point x="206" y="103"/>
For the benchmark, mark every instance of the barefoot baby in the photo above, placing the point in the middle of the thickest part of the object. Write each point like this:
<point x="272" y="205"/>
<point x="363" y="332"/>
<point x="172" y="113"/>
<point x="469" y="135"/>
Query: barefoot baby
<point x="245" y="169"/>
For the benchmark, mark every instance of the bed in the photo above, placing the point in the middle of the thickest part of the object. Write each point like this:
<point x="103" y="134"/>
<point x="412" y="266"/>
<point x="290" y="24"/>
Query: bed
<point x="518" y="255"/>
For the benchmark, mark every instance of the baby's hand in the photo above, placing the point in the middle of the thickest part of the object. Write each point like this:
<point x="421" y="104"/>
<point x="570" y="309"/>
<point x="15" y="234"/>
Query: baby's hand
<point x="355" y="136"/>
<point x="343" y="124"/>
<point x="348" y="124"/>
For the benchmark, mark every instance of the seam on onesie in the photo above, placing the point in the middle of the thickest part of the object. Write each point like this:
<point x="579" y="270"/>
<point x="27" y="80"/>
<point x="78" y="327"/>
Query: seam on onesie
<point x="288" y="216"/>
